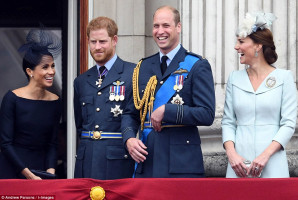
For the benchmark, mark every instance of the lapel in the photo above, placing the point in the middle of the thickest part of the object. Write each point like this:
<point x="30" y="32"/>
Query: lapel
<point x="92" y="75"/>
<point x="241" y="80"/>
<point x="278" y="81"/>
<point x="179" y="57"/>
<point x="113" y="74"/>
<point x="156" y="66"/>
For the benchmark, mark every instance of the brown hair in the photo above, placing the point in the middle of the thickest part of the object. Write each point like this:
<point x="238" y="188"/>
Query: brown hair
<point x="265" y="38"/>
<point x="103" y="23"/>
<point x="175" y="13"/>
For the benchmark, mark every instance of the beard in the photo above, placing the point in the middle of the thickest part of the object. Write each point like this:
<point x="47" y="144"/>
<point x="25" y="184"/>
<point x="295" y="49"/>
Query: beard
<point x="103" y="58"/>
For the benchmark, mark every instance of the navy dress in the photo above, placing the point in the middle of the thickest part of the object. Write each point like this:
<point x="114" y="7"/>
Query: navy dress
<point x="28" y="134"/>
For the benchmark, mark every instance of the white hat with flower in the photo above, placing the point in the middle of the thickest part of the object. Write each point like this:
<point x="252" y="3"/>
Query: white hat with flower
<point x="254" y="22"/>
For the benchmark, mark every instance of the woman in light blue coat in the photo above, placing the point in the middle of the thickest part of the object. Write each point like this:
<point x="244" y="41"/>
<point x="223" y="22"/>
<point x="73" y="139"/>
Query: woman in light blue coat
<point x="260" y="108"/>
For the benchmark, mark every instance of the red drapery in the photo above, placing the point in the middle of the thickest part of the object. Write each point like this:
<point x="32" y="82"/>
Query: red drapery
<point x="153" y="189"/>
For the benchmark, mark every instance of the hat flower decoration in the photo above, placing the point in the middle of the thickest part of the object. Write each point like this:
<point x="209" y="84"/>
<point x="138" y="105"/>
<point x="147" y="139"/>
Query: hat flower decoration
<point x="254" y="22"/>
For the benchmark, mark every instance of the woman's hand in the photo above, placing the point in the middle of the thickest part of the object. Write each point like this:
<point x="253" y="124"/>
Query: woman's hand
<point x="237" y="164"/>
<point x="29" y="175"/>
<point x="258" y="165"/>
<point x="51" y="170"/>
<point x="260" y="161"/>
<point x="235" y="160"/>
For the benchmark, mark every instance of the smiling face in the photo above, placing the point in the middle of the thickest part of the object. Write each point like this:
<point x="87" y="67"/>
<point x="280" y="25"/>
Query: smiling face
<point x="165" y="32"/>
<point x="102" y="47"/>
<point x="43" y="74"/>
<point x="247" y="49"/>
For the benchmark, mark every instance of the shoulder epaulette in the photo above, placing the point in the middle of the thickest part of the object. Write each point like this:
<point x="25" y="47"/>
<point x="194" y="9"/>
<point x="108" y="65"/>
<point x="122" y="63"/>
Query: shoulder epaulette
<point x="148" y="57"/>
<point x="191" y="53"/>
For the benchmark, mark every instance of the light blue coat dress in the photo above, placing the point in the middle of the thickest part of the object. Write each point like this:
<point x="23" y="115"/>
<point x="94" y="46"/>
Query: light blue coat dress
<point x="253" y="119"/>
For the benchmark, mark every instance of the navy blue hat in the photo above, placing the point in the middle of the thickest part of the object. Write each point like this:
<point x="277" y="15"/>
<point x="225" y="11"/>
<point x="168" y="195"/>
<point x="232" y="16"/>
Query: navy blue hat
<point x="40" y="42"/>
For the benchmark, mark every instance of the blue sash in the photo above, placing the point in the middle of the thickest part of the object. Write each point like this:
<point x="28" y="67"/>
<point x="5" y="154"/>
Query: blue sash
<point x="166" y="91"/>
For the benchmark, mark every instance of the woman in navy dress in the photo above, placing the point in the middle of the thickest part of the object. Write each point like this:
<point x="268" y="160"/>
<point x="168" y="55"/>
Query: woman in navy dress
<point x="29" y="116"/>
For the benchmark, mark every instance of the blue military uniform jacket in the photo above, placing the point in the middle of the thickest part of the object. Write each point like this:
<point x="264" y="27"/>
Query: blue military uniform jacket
<point x="175" y="151"/>
<point x="102" y="158"/>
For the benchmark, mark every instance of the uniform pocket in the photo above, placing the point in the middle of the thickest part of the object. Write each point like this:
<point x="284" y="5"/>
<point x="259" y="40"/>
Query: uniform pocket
<point x="79" y="162"/>
<point x="185" y="154"/>
<point x="119" y="163"/>
<point x="87" y="108"/>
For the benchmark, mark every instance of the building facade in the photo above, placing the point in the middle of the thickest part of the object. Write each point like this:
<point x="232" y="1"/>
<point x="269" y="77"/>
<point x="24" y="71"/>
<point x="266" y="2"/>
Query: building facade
<point x="208" y="29"/>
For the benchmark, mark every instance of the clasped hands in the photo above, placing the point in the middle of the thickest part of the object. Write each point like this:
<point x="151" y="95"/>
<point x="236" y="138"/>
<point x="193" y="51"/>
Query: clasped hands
<point x="242" y="170"/>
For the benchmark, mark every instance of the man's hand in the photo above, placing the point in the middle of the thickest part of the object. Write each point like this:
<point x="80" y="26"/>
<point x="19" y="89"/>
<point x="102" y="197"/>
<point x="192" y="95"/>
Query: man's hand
<point x="136" y="149"/>
<point x="157" y="117"/>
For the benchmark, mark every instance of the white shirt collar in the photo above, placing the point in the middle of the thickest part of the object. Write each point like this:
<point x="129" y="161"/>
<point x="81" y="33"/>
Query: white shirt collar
<point x="171" y="54"/>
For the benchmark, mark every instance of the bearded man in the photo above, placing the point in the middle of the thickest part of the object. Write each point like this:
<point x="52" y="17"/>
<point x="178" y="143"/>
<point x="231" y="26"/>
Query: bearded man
<point x="100" y="95"/>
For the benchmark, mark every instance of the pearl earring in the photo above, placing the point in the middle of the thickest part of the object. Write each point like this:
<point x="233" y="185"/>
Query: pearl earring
<point x="31" y="75"/>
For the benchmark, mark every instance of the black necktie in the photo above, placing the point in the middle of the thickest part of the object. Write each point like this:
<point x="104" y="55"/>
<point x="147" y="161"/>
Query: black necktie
<point x="163" y="65"/>
<point x="102" y="72"/>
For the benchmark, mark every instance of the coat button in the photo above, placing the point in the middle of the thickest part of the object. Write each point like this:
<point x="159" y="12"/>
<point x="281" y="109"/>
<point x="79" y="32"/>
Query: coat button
<point x="83" y="103"/>
<point x="161" y="82"/>
<point x="125" y="156"/>
<point x="96" y="126"/>
<point x="98" y="93"/>
<point x="97" y="109"/>
<point x="187" y="141"/>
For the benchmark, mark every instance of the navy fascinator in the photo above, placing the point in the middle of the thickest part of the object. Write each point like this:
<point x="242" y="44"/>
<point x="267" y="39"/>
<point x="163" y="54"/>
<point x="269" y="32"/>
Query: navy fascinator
<point x="40" y="42"/>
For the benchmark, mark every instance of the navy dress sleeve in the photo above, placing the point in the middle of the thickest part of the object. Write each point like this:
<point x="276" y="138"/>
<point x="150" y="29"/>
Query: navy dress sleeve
<point x="7" y="130"/>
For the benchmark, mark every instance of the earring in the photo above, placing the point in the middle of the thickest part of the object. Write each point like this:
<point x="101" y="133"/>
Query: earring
<point x="256" y="54"/>
<point x="31" y="75"/>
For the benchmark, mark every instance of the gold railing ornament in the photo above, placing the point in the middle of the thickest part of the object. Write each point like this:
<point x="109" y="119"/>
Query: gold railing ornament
<point x="146" y="103"/>
<point x="97" y="193"/>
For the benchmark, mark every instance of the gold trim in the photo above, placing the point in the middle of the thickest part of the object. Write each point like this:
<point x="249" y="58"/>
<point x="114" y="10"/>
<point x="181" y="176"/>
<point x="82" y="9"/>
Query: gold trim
<point x="146" y="103"/>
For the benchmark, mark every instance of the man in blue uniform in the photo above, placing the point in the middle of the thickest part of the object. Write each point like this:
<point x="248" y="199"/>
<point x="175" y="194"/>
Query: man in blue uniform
<point x="100" y="95"/>
<point x="171" y="96"/>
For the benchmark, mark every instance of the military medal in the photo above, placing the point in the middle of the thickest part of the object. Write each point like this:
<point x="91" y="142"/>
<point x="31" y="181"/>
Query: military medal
<point x="180" y="85"/>
<point x="117" y="97"/>
<point x="100" y="77"/>
<point x="117" y="84"/>
<point x="270" y="82"/>
<point x="116" y="111"/>
<point x="112" y="93"/>
<point x="177" y="100"/>
<point x="176" y="84"/>
<point x="99" y="82"/>
<point x="122" y="92"/>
